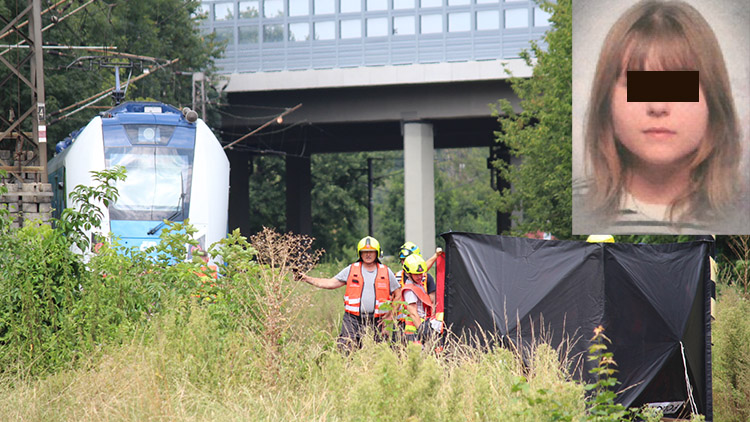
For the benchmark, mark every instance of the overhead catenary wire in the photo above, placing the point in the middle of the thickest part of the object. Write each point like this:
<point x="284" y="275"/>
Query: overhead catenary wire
<point x="261" y="127"/>
<point x="271" y="132"/>
<point x="51" y="25"/>
<point x="239" y="117"/>
<point x="57" y="47"/>
<point x="102" y="93"/>
<point x="126" y="55"/>
<point x="22" y="24"/>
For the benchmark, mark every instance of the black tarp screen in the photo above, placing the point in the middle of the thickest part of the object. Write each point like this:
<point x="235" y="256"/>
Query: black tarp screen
<point x="653" y="301"/>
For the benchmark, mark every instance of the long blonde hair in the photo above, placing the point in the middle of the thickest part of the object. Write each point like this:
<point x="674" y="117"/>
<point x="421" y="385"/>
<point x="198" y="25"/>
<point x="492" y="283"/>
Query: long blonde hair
<point x="675" y="35"/>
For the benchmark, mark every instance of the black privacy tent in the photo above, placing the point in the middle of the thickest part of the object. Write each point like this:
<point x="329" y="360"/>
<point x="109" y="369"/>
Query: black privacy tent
<point x="652" y="300"/>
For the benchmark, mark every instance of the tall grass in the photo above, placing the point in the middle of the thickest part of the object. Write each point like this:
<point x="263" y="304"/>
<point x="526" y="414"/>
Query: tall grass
<point x="153" y="351"/>
<point x="181" y="367"/>
<point x="731" y="336"/>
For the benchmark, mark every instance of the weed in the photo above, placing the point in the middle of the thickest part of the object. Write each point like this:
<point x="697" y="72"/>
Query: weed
<point x="275" y="292"/>
<point x="601" y="402"/>
<point x="738" y="270"/>
<point x="4" y="212"/>
<point x="731" y="364"/>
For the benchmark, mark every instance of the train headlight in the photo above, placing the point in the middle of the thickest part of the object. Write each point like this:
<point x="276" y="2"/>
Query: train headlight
<point x="190" y="115"/>
<point x="148" y="134"/>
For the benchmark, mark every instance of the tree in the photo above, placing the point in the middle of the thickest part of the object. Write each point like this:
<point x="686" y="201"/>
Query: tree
<point x="267" y="193"/>
<point x="164" y="29"/>
<point x="339" y="197"/>
<point x="339" y="200"/>
<point x="541" y="134"/>
<point x="463" y="198"/>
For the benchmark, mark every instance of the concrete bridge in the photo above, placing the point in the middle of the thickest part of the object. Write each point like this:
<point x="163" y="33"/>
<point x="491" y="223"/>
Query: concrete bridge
<point x="371" y="76"/>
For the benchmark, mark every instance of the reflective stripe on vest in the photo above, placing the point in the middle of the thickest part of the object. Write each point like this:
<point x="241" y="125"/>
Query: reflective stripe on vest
<point x="355" y="284"/>
<point x="411" y="327"/>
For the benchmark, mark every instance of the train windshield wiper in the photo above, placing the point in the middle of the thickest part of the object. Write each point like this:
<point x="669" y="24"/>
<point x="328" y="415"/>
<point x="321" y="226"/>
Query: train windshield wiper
<point x="180" y="209"/>
<point x="170" y="218"/>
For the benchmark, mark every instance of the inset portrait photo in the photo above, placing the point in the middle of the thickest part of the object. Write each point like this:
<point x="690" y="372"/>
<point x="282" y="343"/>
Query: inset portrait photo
<point x="661" y="117"/>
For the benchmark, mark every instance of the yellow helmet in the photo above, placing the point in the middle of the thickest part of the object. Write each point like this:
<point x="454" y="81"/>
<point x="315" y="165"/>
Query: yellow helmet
<point x="601" y="238"/>
<point x="368" y="243"/>
<point x="414" y="264"/>
<point x="407" y="249"/>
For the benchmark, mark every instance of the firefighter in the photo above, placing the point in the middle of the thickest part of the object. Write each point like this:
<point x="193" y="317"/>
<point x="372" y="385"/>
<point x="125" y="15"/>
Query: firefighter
<point x="419" y="305"/>
<point x="208" y="275"/>
<point x="369" y="285"/>
<point x="410" y="248"/>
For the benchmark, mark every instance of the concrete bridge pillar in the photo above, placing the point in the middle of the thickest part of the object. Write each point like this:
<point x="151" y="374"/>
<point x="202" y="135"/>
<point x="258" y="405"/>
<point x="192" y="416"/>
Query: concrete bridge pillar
<point x="419" y="186"/>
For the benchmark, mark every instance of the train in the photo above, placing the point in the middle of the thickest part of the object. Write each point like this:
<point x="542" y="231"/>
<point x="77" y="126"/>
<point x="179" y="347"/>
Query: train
<point x="176" y="169"/>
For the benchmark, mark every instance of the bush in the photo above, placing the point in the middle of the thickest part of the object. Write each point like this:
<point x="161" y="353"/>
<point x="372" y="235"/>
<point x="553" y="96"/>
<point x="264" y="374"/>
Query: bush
<point x="40" y="283"/>
<point x="55" y="309"/>
<point x="731" y="362"/>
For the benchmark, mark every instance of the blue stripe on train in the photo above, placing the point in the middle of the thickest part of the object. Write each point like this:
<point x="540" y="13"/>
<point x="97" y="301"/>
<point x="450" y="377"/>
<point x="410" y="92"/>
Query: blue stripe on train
<point x="134" y="233"/>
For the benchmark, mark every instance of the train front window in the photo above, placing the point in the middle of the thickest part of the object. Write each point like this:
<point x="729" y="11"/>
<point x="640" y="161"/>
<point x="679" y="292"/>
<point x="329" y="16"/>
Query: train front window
<point x="149" y="134"/>
<point x="156" y="186"/>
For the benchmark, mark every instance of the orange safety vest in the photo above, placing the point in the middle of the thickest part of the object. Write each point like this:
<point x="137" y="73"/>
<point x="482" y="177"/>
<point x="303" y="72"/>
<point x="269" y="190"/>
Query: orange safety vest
<point x="402" y="281"/>
<point x="355" y="284"/>
<point x="418" y="290"/>
<point x="210" y="272"/>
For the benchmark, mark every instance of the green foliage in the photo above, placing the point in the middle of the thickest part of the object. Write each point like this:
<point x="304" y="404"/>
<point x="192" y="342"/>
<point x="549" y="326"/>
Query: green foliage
<point x="236" y="302"/>
<point x="87" y="201"/>
<point x="4" y="213"/>
<point x="400" y="386"/>
<point x="464" y="200"/>
<point x="601" y="404"/>
<point x="395" y="307"/>
<point x="737" y="267"/>
<point x="731" y="363"/>
<point x="184" y="365"/>
<point x="389" y="203"/>
<point x="542" y="133"/>
<point x="43" y="284"/>
<point x="653" y="239"/>
<point x="54" y="309"/>
<point x="463" y="197"/>
<point x="267" y="194"/>
<point x="339" y="197"/>
<point x="163" y="29"/>
<point x="554" y="410"/>
<point x="175" y="239"/>
<point x="39" y="286"/>
<point x="237" y="254"/>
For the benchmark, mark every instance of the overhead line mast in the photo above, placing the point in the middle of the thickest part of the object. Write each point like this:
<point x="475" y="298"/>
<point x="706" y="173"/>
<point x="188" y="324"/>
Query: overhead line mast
<point x="37" y="110"/>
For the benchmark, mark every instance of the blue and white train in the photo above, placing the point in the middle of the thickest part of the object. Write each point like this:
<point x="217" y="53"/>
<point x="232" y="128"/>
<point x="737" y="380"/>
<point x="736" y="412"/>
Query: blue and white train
<point x="176" y="169"/>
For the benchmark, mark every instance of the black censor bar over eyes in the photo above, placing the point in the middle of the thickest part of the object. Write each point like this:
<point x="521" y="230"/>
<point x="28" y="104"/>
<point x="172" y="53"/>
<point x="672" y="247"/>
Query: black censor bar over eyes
<point x="663" y="86"/>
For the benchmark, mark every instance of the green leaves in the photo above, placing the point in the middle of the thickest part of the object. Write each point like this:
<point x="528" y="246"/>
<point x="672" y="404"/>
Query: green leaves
<point x="39" y="280"/>
<point x="601" y="404"/>
<point x="163" y="29"/>
<point x="4" y="213"/>
<point x="541" y="134"/>
<point x="87" y="201"/>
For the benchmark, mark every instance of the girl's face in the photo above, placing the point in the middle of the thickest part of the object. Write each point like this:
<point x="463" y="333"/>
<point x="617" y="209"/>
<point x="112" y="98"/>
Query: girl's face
<point x="658" y="133"/>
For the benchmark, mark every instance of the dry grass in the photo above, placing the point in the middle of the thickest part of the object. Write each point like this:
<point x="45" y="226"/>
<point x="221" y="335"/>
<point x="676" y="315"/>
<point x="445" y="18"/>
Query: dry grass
<point x="180" y="371"/>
